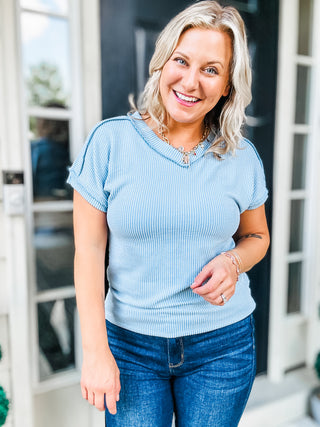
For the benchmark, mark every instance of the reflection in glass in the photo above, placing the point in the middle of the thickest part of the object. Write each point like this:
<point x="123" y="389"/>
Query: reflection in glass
<point x="50" y="158"/>
<point x="302" y="94"/>
<point x="45" y="51"/>
<point x="305" y="27"/>
<point x="294" y="287"/>
<point x="55" y="6"/>
<point x="299" y="162"/>
<point x="145" y="39"/>
<point x="296" y="225"/>
<point x="54" y="249"/>
<point x="56" y="336"/>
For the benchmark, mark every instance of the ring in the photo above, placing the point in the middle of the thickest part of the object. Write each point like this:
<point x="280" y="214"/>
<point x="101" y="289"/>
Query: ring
<point x="224" y="299"/>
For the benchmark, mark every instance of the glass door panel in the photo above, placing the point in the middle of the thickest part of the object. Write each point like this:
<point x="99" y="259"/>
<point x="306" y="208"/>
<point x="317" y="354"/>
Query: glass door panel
<point x="54" y="250"/>
<point x="300" y="146"/>
<point x="50" y="158"/>
<point x="294" y="287"/>
<point x="303" y="94"/>
<point x="56" y="321"/>
<point x="305" y="27"/>
<point x="296" y="225"/>
<point x="54" y="6"/>
<point x="46" y="53"/>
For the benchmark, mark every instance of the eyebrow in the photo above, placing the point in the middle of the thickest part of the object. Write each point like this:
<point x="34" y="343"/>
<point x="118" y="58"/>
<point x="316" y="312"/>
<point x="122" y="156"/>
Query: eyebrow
<point x="208" y="63"/>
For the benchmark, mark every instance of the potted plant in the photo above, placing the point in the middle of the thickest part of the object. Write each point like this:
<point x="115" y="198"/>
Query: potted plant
<point x="315" y="397"/>
<point x="4" y="403"/>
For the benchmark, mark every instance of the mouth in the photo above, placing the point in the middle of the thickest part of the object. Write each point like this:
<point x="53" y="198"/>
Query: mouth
<point x="186" y="99"/>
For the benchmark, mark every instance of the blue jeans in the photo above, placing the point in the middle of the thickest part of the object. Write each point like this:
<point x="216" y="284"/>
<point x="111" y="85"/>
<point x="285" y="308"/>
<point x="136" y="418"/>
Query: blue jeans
<point x="205" y="379"/>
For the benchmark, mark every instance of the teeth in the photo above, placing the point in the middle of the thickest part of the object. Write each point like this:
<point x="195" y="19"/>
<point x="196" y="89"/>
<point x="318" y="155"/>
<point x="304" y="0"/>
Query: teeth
<point x="186" y="98"/>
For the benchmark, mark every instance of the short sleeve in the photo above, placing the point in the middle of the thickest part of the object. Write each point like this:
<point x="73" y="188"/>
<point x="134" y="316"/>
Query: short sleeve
<point x="259" y="188"/>
<point x="89" y="171"/>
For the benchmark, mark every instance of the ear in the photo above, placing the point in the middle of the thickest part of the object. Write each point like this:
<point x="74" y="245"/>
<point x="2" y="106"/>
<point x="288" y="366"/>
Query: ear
<point x="226" y="90"/>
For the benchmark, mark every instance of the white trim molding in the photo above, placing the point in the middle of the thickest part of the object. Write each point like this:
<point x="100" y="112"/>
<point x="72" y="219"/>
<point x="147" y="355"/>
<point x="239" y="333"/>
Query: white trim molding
<point x="12" y="152"/>
<point x="281" y="179"/>
<point x="292" y="336"/>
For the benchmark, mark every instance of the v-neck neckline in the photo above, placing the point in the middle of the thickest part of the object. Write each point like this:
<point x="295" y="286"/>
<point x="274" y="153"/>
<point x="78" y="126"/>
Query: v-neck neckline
<point x="162" y="147"/>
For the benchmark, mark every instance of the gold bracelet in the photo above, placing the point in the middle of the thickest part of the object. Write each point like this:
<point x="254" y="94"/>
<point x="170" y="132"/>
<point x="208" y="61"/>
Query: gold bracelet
<point x="235" y="253"/>
<point x="234" y="262"/>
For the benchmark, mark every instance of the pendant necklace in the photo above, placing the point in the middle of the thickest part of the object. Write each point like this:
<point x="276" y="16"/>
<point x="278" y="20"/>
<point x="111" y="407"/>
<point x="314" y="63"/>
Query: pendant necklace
<point x="186" y="154"/>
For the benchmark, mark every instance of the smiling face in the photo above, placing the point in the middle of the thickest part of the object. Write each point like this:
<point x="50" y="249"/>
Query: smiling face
<point x="196" y="75"/>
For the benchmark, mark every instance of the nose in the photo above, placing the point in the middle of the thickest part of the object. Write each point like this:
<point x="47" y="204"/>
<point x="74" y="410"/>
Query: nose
<point x="190" y="80"/>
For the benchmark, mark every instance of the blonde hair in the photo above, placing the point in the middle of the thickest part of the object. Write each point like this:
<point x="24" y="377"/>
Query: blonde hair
<point x="228" y="116"/>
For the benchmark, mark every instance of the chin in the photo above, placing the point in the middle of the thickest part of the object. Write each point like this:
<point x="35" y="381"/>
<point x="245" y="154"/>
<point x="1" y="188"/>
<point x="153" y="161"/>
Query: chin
<point x="183" y="116"/>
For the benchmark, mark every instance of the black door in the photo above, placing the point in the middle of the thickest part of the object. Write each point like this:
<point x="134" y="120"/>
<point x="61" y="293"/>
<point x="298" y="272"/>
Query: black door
<point x="128" y="31"/>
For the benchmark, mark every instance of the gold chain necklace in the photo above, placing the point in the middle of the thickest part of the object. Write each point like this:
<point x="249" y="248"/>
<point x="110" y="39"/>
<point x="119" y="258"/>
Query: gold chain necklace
<point x="186" y="154"/>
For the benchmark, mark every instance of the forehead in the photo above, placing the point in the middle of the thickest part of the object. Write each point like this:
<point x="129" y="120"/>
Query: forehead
<point x="210" y="42"/>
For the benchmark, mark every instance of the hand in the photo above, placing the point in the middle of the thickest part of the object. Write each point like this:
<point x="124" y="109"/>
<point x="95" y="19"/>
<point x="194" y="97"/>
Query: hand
<point x="100" y="381"/>
<point x="221" y="276"/>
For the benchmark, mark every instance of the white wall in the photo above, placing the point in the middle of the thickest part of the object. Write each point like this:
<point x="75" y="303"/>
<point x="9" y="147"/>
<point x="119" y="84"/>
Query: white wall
<point x="5" y="371"/>
<point x="53" y="408"/>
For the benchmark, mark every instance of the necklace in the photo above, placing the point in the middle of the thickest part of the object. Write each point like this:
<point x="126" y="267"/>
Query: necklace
<point x="186" y="154"/>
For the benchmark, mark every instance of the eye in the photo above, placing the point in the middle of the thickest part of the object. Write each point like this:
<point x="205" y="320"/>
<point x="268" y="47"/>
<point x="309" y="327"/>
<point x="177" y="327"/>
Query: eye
<point x="180" y="61"/>
<point x="211" y="70"/>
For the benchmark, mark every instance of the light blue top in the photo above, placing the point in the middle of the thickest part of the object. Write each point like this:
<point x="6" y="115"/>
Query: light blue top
<point x="166" y="221"/>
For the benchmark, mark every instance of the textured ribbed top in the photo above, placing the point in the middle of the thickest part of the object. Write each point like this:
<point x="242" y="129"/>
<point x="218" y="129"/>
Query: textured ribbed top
<point x="166" y="220"/>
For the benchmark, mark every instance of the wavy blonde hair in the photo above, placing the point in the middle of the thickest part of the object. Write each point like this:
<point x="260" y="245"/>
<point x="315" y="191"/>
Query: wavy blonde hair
<point x="228" y="116"/>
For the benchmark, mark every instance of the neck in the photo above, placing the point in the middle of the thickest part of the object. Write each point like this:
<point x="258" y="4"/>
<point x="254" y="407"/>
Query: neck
<point x="187" y="135"/>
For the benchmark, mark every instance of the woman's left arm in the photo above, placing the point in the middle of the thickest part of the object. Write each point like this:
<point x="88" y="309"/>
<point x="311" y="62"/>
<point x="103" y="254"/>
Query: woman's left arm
<point x="252" y="237"/>
<point x="221" y="274"/>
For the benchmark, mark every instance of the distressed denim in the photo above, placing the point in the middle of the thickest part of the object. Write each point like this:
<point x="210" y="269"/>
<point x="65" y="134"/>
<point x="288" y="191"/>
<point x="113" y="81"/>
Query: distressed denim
<point x="204" y="379"/>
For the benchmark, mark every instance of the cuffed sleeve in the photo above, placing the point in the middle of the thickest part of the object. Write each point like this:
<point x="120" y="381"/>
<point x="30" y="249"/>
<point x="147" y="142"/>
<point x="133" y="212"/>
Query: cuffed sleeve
<point x="89" y="172"/>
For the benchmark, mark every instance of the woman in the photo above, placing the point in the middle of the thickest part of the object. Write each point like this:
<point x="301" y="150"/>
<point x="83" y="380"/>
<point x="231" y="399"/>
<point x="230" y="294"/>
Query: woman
<point x="180" y="196"/>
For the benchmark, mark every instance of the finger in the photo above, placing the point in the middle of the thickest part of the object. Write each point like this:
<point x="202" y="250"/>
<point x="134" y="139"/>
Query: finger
<point x="99" y="401"/>
<point x="211" y="286"/>
<point x="212" y="291"/>
<point x="204" y="274"/>
<point x="111" y="403"/>
<point x="84" y="392"/>
<point x="216" y="299"/>
<point x="91" y="398"/>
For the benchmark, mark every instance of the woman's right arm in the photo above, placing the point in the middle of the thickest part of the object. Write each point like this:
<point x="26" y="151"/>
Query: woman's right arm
<point x="100" y="375"/>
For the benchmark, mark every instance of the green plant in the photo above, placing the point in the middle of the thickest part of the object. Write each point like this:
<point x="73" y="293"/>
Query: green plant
<point x="4" y="406"/>
<point x="317" y="365"/>
<point x="4" y="402"/>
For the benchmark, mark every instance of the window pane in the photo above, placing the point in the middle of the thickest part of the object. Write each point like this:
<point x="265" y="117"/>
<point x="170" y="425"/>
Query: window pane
<point x="55" y="6"/>
<point x="296" y="225"/>
<point x="294" y="287"/>
<point x="305" y="27"/>
<point x="145" y="39"/>
<point x="299" y="162"/>
<point x="45" y="51"/>
<point x="242" y="5"/>
<point x="50" y="158"/>
<point x="303" y="94"/>
<point x="56" y="336"/>
<point x="54" y="248"/>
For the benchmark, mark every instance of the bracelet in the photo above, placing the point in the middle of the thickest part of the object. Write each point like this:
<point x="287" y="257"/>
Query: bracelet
<point x="234" y="262"/>
<point x="235" y="253"/>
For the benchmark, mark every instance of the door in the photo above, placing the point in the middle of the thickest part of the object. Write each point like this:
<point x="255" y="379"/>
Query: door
<point x="43" y="124"/>
<point x="295" y="263"/>
<point x="131" y="31"/>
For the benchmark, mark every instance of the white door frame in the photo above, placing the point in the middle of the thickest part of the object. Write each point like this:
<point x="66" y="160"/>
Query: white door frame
<point x="12" y="153"/>
<point x="292" y="338"/>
